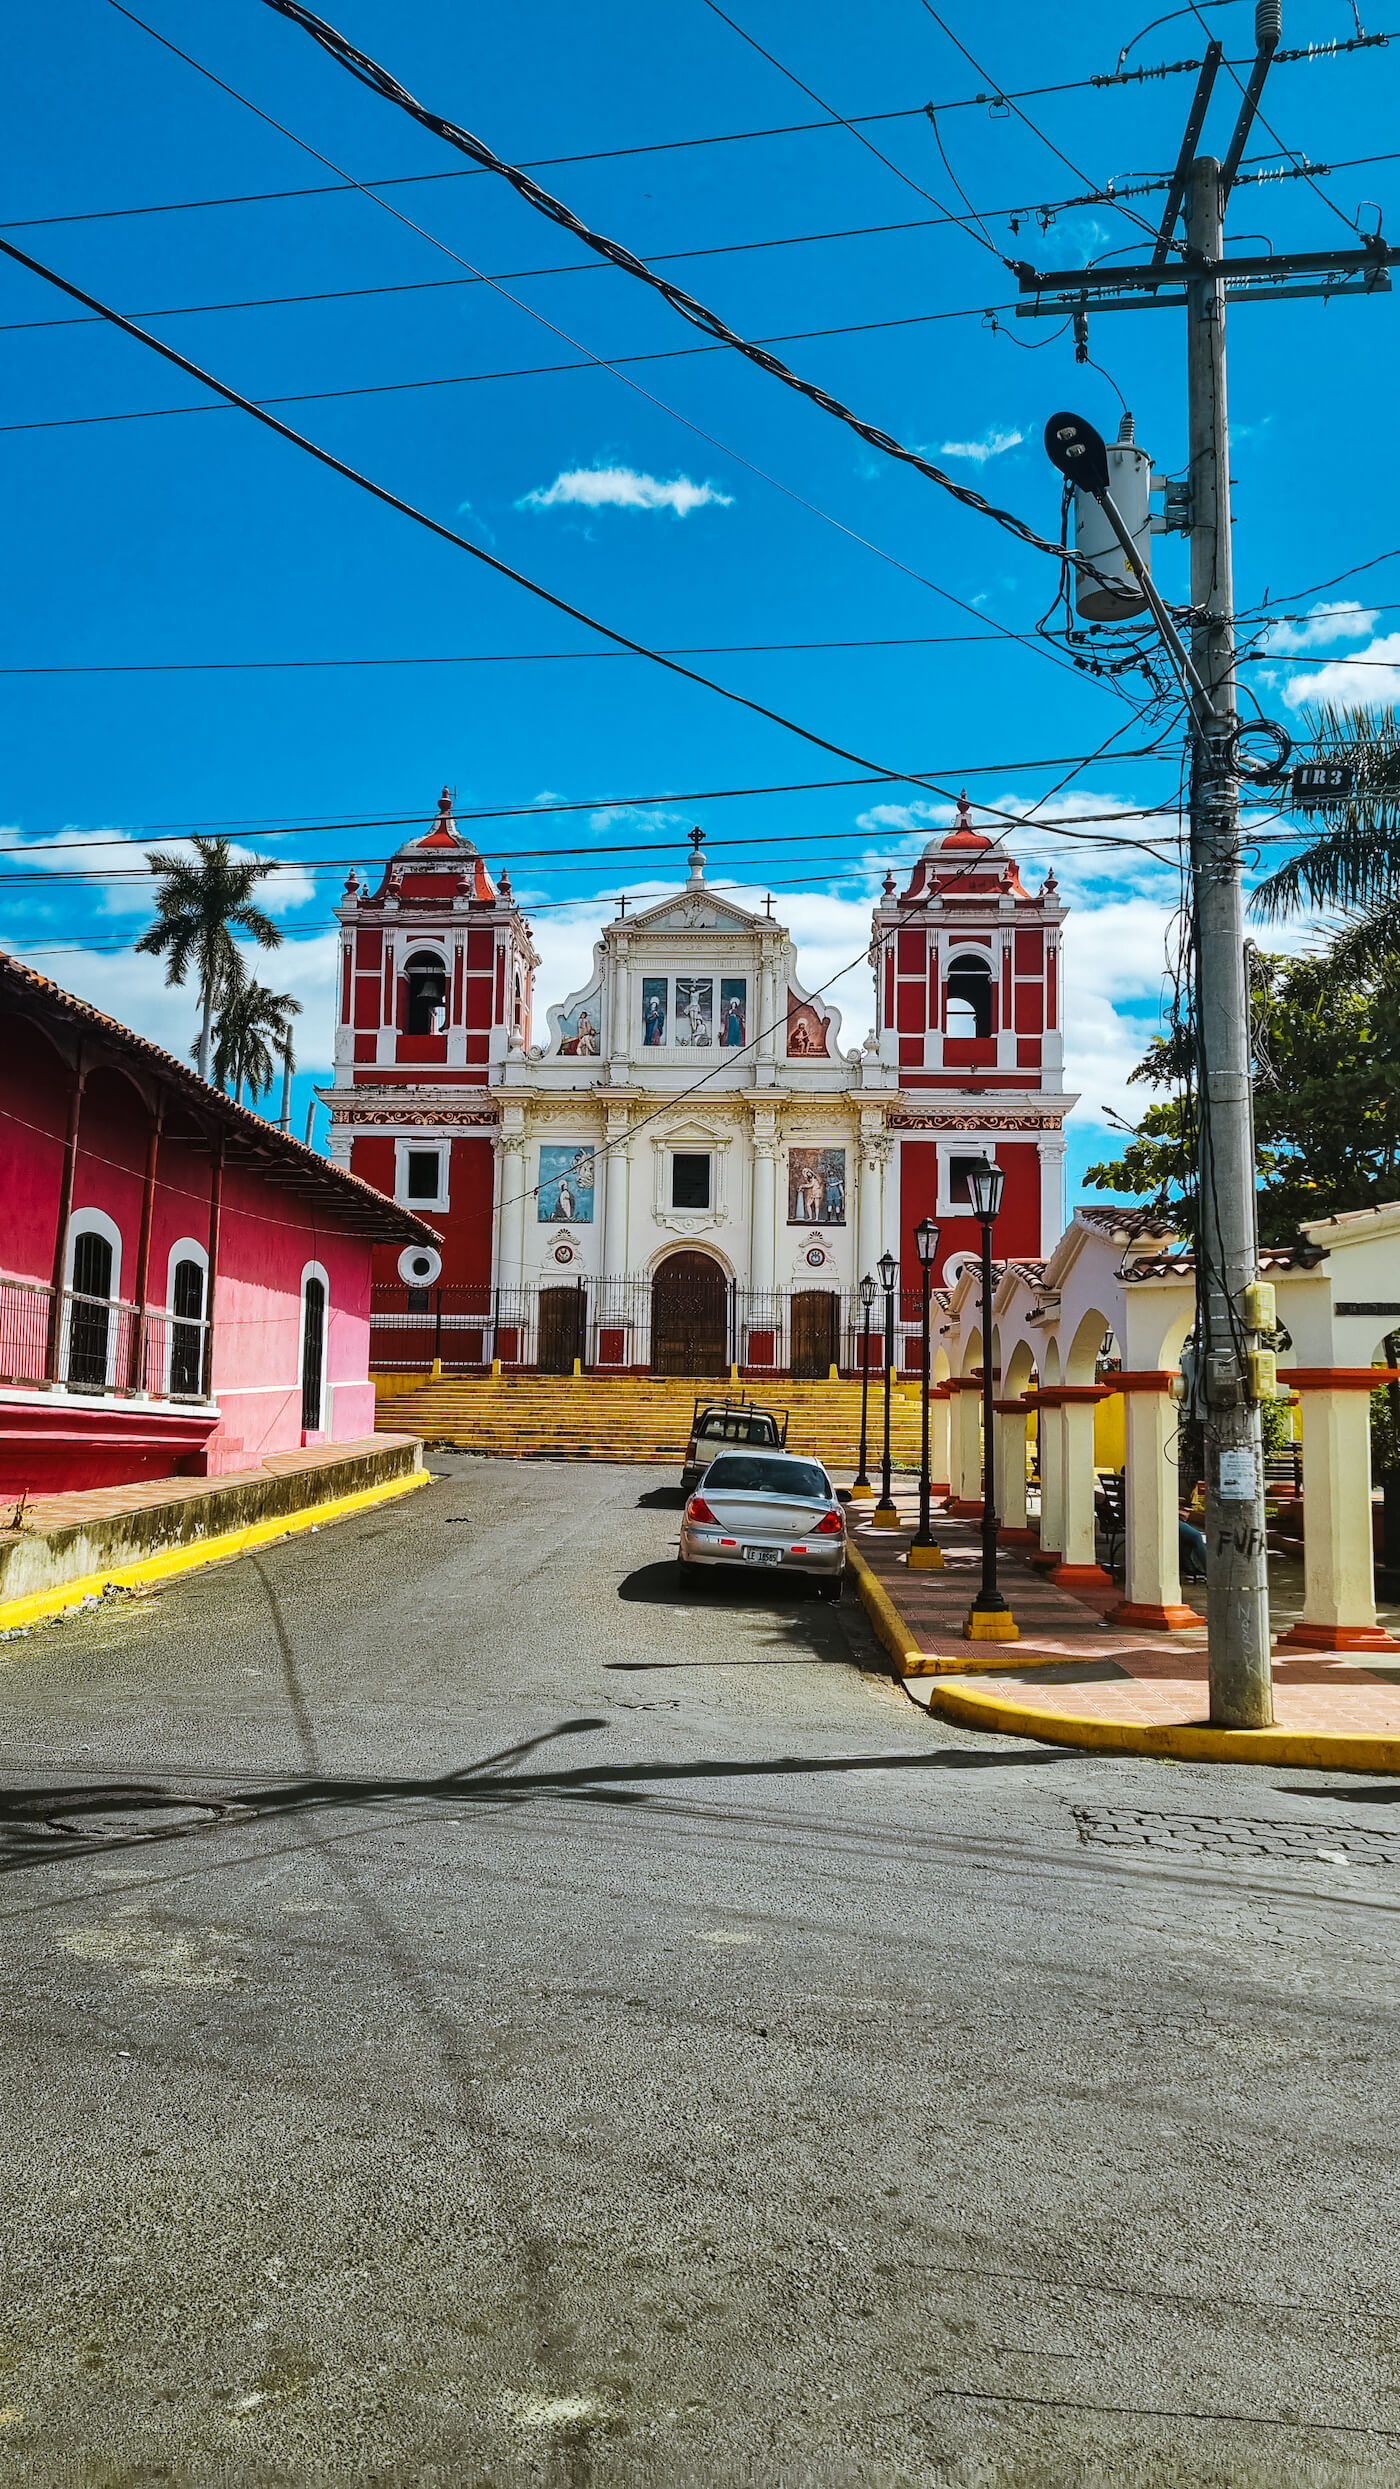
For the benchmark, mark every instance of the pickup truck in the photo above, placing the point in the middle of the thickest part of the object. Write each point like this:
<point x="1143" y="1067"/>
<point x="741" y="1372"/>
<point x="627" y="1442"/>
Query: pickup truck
<point x="717" y="1423"/>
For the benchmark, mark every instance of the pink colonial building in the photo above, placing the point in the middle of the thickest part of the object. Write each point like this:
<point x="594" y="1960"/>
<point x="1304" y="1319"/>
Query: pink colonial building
<point x="183" y="1289"/>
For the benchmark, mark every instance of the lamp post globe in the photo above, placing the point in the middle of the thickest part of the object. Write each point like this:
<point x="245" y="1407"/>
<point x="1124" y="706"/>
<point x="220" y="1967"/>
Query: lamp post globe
<point x="924" y="1555"/>
<point x="885" y="1515"/>
<point x="989" y="1619"/>
<point x="862" y="1491"/>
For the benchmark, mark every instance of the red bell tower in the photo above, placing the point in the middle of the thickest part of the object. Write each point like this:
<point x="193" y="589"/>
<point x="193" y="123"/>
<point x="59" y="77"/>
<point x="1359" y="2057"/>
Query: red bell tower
<point x="968" y="995"/>
<point x="436" y="989"/>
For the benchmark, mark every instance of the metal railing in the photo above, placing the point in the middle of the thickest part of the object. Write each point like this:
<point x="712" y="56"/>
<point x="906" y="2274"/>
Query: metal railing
<point x="98" y="1344"/>
<point x="620" y="1324"/>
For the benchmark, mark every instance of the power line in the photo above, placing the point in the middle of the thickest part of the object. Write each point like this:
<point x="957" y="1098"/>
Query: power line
<point x="369" y="73"/>
<point x="448" y="535"/>
<point x="852" y="534"/>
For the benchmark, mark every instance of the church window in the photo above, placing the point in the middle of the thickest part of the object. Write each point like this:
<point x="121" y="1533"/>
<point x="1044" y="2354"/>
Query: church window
<point x="690" y="1181"/>
<point x="959" y="1173"/>
<point x="969" y="998"/>
<point x="422" y="1174"/>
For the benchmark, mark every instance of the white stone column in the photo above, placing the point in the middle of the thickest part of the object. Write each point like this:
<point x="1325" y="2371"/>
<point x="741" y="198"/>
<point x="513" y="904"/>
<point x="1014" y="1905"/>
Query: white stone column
<point x="940" y="1452"/>
<point x="966" y="1480"/>
<point x="613" y="1262"/>
<point x="772" y="1041"/>
<point x="1011" y="1472"/>
<point x="620" y="966"/>
<point x="874" y="1153"/>
<point x="1050" y="1449"/>
<point x="1151" y="1562"/>
<point x="1339" y="1601"/>
<point x="763" y="1243"/>
<point x="1078" y="1566"/>
<point x="510" y="1188"/>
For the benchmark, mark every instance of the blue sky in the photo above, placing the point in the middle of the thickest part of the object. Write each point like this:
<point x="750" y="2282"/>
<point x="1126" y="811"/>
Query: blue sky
<point x="719" y="512"/>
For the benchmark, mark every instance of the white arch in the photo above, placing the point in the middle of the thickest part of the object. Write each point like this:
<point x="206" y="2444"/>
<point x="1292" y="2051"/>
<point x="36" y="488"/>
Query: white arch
<point x="94" y="1223"/>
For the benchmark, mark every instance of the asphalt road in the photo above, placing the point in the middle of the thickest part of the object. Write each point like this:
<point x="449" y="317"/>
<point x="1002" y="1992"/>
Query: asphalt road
<point x="474" y="2014"/>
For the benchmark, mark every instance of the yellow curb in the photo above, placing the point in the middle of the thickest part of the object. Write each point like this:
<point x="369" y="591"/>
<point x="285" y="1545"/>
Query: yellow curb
<point x="176" y="1560"/>
<point x="1183" y="1740"/>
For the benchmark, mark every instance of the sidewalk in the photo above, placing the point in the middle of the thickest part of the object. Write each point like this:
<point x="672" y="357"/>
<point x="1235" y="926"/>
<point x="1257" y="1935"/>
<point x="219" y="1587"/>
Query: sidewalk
<point x="58" y="1550"/>
<point x="1072" y="1666"/>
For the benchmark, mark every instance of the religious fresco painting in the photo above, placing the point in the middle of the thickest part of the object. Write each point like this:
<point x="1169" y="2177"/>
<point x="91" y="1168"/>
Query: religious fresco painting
<point x="806" y="1028"/>
<point x="733" y="1010"/>
<point x="566" y="1183"/>
<point x="578" y="1029"/>
<point x="653" y="1011"/>
<point x="695" y="1011"/>
<point x="816" y="1188"/>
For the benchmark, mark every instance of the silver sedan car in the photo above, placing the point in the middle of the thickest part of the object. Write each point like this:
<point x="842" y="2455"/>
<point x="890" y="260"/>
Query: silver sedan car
<point x="766" y="1509"/>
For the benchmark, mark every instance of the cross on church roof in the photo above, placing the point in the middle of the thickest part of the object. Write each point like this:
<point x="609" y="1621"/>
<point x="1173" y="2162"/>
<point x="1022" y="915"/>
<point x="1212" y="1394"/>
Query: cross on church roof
<point x="697" y="839"/>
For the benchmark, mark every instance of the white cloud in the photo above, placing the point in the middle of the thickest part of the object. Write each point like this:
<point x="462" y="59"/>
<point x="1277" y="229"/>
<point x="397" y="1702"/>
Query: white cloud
<point x="991" y="445"/>
<point x="131" y="986"/>
<point x="1348" y="686"/>
<point x="623" y="488"/>
<point x="289" y="887"/>
<point x="1345" y="620"/>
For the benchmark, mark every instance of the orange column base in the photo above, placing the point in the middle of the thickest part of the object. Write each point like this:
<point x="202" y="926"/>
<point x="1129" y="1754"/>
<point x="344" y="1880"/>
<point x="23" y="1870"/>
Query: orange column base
<point x="1153" y="1619"/>
<point x="1046" y="1561"/>
<point x="1081" y="1577"/>
<point x="1306" y="1637"/>
<point x="963" y="1510"/>
<point x="1018" y="1538"/>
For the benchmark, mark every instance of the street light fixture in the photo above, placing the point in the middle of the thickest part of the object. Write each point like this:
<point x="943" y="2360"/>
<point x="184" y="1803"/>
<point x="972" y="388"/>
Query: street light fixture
<point x="863" y="1492"/>
<point x="924" y="1554"/>
<point x="885" y="1517"/>
<point x="989" y="1619"/>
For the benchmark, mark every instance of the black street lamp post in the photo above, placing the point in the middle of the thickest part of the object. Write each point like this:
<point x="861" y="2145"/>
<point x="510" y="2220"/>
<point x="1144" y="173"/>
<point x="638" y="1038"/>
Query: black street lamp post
<point x="885" y="1516"/>
<point x="989" y="1619"/>
<point x="862" y="1491"/>
<point x="924" y="1554"/>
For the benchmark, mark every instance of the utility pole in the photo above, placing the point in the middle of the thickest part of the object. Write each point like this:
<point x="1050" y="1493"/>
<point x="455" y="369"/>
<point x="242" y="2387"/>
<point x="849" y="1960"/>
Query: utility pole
<point x="1232" y="1307"/>
<point x="1237" y="1581"/>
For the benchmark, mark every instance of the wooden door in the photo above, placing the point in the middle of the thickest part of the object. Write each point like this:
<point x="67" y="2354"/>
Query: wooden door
<point x="815" y="1331"/>
<point x="689" y="1316"/>
<point x="562" y="1324"/>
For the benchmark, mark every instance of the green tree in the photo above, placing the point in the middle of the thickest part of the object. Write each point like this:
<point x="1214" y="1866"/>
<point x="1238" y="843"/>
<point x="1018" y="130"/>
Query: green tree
<point x="1352" y="866"/>
<point x="1326" y="1049"/>
<point x="252" y="1027"/>
<point x="201" y="902"/>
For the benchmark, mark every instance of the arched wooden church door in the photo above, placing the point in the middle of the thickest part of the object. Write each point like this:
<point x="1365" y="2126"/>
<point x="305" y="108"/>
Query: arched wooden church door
<point x="689" y="1316"/>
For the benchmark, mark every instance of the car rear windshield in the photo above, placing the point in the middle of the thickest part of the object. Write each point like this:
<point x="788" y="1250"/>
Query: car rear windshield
<point x="740" y="1473"/>
<point x="732" y="1429"/>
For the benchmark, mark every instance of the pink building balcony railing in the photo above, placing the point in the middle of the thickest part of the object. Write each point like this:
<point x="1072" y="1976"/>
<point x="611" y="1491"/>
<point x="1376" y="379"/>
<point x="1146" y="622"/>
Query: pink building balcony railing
<point x="98" y="1344"/>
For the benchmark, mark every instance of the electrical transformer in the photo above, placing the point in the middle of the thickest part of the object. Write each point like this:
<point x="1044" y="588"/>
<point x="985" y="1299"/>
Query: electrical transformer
<point x="1129" y="481"/>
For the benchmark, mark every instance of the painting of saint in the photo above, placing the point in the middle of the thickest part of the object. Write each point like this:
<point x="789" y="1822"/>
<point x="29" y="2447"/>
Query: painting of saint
<point x="806" y="1029"/>
<point x="578" y="1029"/>
<point x="566" y="1184"/>
<point x="653" y="1011"/>
<point x="695" y="1011"/>
<point x="733" y="1000"/>
<point x="816" y="1188"/>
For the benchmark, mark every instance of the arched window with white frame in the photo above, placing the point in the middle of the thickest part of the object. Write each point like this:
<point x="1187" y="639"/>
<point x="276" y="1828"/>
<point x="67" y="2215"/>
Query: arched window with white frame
<point x="187" y="1281"/>
<point x="92" y="1283"/>
<point x="315" y="1327"/>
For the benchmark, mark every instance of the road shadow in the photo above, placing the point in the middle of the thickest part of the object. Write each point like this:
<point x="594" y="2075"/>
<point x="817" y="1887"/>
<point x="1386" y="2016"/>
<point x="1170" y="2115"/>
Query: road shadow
<point x="44" y="1826"/>
<point x="660" y="1585"/>
<point x="661" y="1499"/>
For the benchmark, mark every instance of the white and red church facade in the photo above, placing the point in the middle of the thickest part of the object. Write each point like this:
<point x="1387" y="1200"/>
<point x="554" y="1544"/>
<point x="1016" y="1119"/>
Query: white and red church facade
<point x="683" y="1170"/>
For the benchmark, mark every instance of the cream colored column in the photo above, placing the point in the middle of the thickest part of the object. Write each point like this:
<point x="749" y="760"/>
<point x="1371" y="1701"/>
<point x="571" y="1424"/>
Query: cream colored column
<point x="966" y="1480"/>
<point x="616" y="1201"/>
<point x="1078" y="1561"/>
<point x="1339" y="1601"/>
<point x="1049" y="1439"/>
<point x="621" y="1000"/>
<point x="510" y="1177"/>
<point x="1011" y="1469"/>
<point x="940" y="1432"/>
<point x="1151" y="1564"/>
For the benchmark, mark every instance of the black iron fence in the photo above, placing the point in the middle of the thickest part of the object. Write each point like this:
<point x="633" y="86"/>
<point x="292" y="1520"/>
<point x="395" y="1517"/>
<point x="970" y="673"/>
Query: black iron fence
<point x="676" y="1320"/>
<point x="98" y="1344"/>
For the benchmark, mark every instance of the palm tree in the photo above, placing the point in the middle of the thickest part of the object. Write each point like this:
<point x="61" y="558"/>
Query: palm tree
<point x="1353" y="865"/>
<point x="201" y="900"/>
<point x="250" y="1015"/>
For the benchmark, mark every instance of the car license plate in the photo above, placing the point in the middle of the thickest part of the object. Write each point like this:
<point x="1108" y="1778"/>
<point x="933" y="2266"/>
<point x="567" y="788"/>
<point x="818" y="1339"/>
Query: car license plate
<point x="763" y="1555"/>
